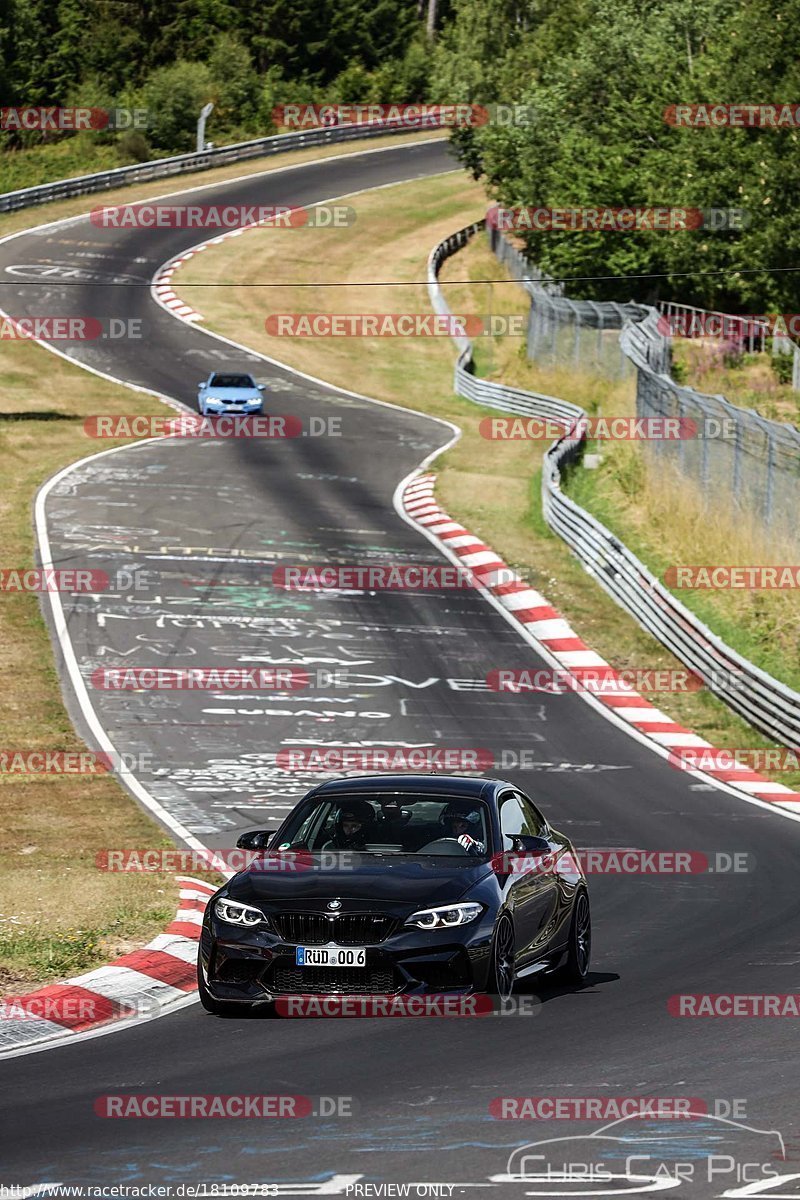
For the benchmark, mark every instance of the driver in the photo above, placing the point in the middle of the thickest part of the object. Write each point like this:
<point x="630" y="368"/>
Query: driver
<point x="350" y="826"/>
<point x="462" y="822"/>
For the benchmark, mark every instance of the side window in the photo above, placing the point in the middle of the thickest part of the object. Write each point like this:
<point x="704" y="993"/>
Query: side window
<point x="536" y="822"/>
<point x="316" y="828"/>
<point x="512" y="820"/>
<point x="518" y="816"/>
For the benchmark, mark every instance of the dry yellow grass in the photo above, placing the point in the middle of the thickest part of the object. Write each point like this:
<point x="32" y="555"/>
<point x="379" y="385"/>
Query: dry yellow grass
<point x="56" y="908"/>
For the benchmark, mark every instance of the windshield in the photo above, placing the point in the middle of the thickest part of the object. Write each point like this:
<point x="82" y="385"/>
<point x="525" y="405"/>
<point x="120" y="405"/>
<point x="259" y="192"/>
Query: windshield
<point x="390" y="824"/>
<point x="232" y="381"/>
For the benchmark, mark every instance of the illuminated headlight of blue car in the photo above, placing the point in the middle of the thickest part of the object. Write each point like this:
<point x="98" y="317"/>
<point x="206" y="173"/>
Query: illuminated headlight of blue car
<point x="215" y="404"/>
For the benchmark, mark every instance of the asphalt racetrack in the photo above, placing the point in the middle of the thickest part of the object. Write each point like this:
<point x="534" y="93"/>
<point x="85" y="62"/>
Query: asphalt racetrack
<point x="207" y="522"/>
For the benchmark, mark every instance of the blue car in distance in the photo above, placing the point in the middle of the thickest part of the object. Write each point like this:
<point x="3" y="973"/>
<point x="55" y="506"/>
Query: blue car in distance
<point x="229" y="392"/>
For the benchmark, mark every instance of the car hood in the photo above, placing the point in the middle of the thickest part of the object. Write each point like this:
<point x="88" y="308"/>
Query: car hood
<point x="380" y="878"/>
<point x="233" y="394"/>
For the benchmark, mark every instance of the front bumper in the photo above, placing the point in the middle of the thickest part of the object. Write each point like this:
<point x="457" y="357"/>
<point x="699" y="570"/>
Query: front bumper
<point x="222" y="408"/>
<point x="257" y="966"/>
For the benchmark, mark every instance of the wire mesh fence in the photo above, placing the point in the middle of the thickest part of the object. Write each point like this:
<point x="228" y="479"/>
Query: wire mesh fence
<point x="735" y="456"/>
<point x="564" y="332"/>
<point x="736" y="453"/>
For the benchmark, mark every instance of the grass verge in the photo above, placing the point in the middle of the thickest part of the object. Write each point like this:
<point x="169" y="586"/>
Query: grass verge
<point x="58" y="914"/>
<point x="746" y="380"/>
<point x="491" y="486"/>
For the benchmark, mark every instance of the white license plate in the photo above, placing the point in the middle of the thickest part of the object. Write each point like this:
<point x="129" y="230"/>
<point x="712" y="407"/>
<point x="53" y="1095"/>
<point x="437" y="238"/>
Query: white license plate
<point x="331" y="956"/>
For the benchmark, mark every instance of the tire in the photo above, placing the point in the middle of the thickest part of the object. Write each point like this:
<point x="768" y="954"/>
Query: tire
<point x="579" y="950"/>
<point x="502" y="972"/>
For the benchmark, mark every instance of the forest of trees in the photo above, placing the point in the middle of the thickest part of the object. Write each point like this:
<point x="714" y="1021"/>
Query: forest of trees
<point x="171" y="56"/>
<point x="596" y="75"/>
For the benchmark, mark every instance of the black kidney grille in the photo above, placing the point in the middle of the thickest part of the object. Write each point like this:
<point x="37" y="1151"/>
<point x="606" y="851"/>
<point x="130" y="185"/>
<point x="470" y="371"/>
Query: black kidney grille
<point x="346" y="929"/>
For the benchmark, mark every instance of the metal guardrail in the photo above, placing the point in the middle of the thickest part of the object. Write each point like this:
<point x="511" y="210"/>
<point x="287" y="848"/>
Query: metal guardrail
<point x="183" y="164"/>
<point x="466" y="383"/>
<point x="766" y="703"/>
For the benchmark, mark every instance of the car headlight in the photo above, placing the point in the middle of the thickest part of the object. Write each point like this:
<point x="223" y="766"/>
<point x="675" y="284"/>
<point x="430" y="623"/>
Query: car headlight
<point x="446" y="917"/>
<point x="238" y="914"/>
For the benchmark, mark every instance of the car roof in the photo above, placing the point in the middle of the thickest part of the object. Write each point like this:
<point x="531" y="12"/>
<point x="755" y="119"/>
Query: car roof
<point x="431" y="785"/>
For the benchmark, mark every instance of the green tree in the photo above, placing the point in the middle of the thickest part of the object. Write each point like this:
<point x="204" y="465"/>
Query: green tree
<point x="174" y="96"/>
<point x="234" y="81"/>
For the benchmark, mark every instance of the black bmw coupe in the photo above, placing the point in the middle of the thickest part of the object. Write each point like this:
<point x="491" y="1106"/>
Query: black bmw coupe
<point x="397" y="884"/>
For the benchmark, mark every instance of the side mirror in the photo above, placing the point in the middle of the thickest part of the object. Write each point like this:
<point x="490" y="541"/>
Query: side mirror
<point x="261" y="387"/>
<point x="202" y="383"/>
<point x="524" y="843"/>
<point x="256" y="839"/>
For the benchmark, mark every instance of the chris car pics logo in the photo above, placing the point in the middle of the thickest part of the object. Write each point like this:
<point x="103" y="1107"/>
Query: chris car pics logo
<point x="636" y="1157"/>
